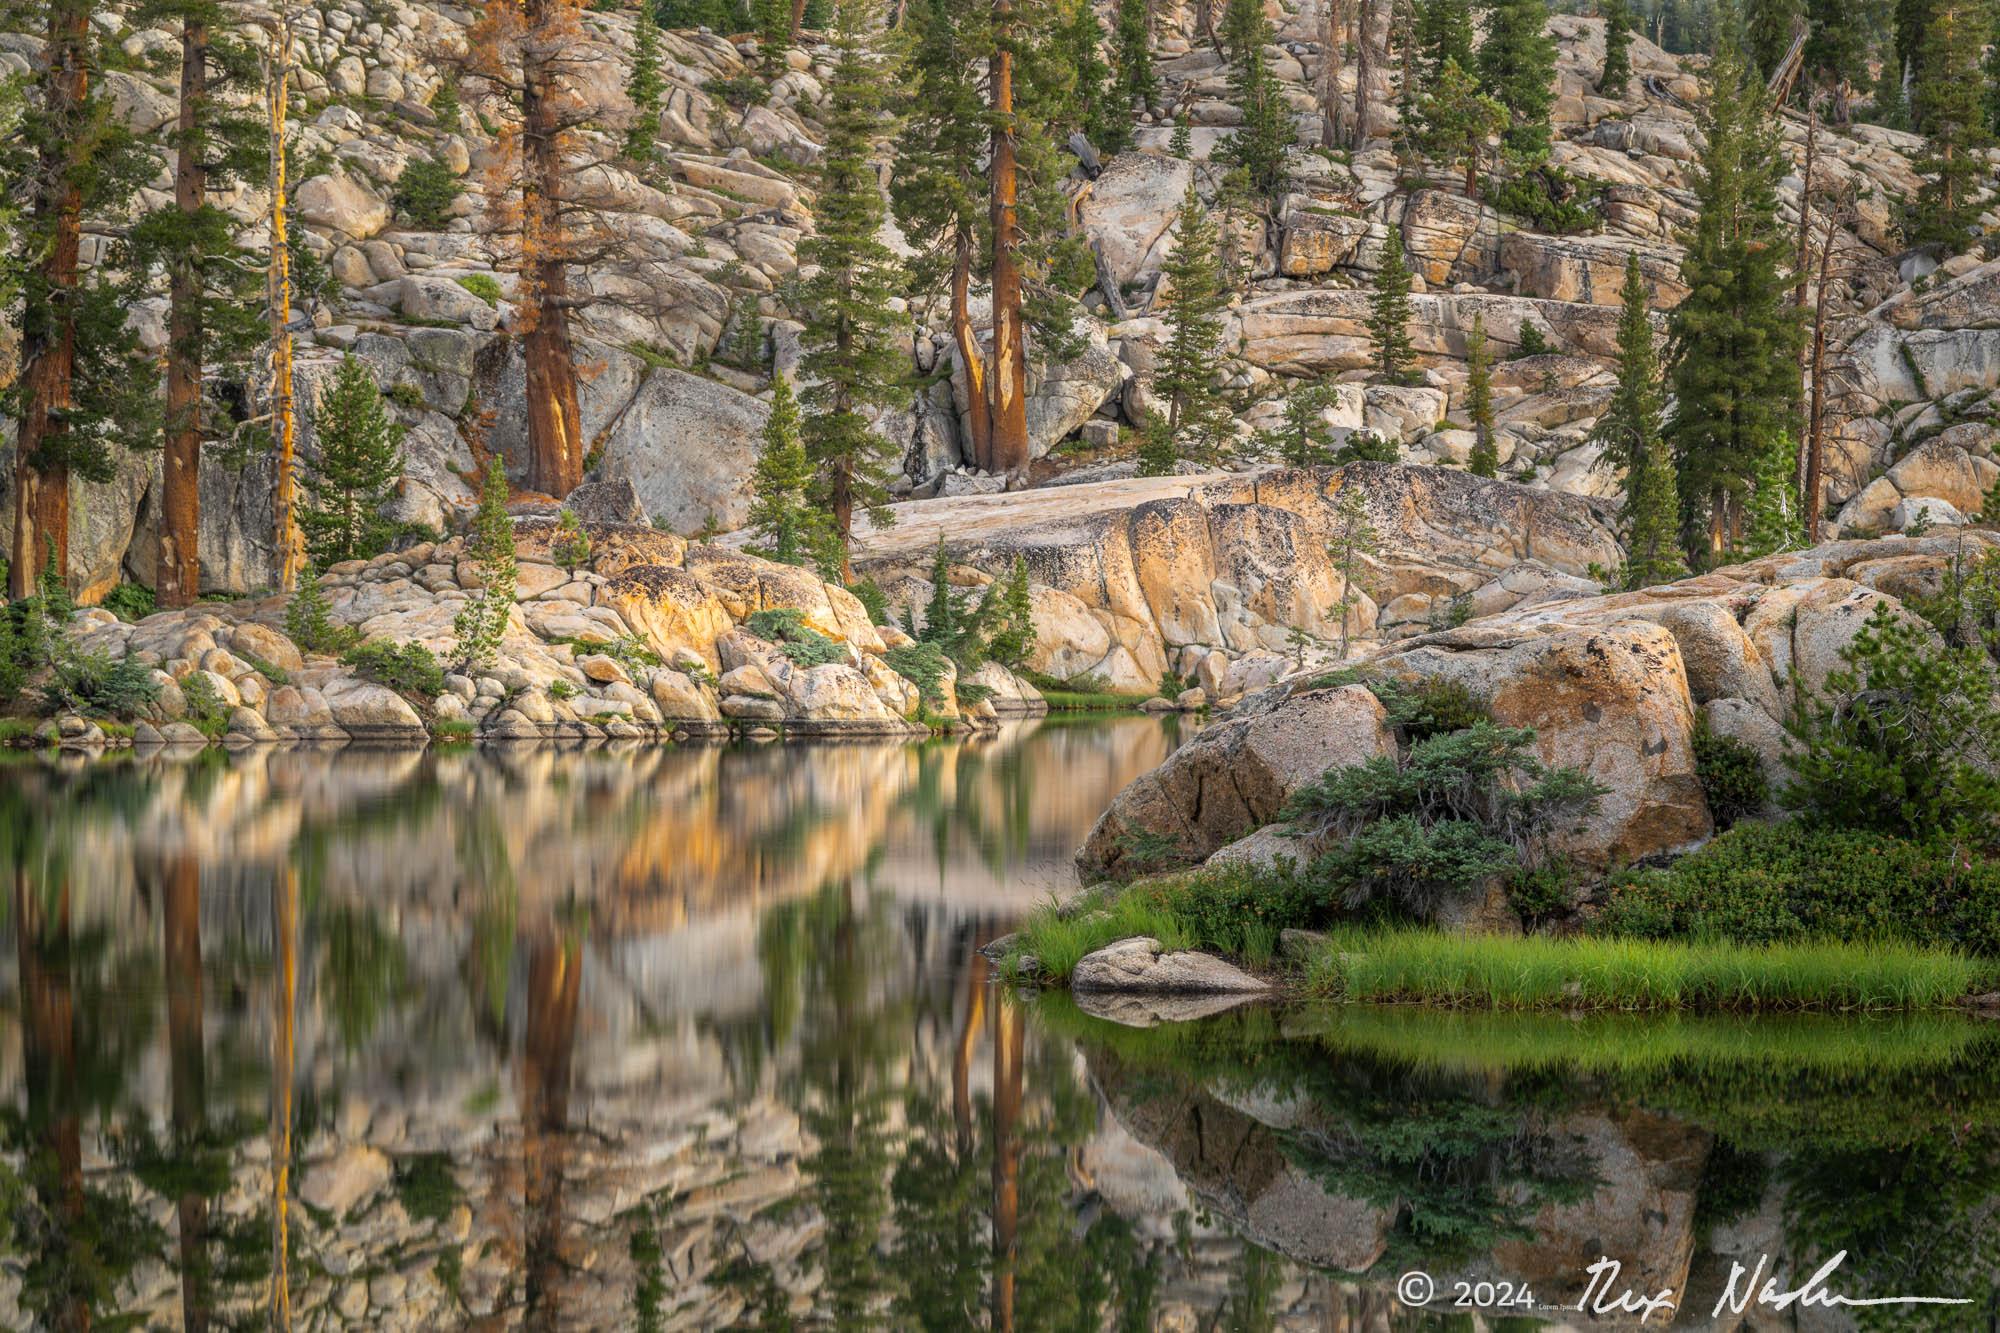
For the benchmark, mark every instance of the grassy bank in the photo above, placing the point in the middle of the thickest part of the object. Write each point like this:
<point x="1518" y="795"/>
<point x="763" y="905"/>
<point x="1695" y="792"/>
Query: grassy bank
<point x="1533" y="972"/>
<point x="1240" y="915"/>
<point x="1081" y="696"/>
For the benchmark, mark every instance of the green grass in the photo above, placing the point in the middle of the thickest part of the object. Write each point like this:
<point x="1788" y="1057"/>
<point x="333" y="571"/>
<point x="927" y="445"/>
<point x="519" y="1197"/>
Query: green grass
<point x="17" y="730"/>
<point x="1622" y="974"/>
<point x="452" y="729"/>
<point x="1081" y="696"/>
<point x="1060" y="941"/>
<point x="1484" y="1041"/>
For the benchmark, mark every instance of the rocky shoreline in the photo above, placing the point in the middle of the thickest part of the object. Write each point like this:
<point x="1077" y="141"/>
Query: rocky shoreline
<point x="649" y="639"/>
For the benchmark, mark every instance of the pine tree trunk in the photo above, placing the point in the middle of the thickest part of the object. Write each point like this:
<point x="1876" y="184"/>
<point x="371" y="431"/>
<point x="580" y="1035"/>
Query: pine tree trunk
<point x="1332" y="36"/>
<point x="798" y="17"/>
<point x="1009" y="370"/>
<point x="548" y="1049"/>
<point x="555" y="447"/>
<point x="284" y="516"/>
<point x="284" y="985"/>
<point x="49" y="1069"/>
<point x="48" y="336"/>
<point x="1008" y="1050"/>
<point x="978" y="410"/>
<point x="1816" y="409"/>
<point x="1364" y="74"/>
<point x="180" y="915"/>
<point x="177" y="573"/>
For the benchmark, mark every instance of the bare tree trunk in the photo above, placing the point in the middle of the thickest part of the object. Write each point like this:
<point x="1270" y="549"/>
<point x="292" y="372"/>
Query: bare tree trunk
<point x="180" y="916"/>
<point x="1010" y="368"/>
<point x="798" y="17"/>
<point x="284" y="925"/>
<point x="555" y="972"/>
<point x="48" y="328"/>
<point x="48" y="1060"/>
<point x="555" y="427"/>
<point x="1364" y="74"/>
<point x="1816" y="408"/>
<point x="979" y="411"/>
<point x="177" y="571"/>
<point x="284" y="516"/>
<point x="1332" y="36"/>
<point x="1007" y="1053"/>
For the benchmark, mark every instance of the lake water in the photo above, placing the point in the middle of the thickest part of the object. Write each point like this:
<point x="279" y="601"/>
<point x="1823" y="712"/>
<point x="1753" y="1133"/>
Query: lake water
<point x="700" y="1038"/>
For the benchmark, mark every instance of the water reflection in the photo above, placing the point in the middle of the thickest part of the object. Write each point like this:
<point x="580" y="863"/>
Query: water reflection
<point x="701" y="1039"/>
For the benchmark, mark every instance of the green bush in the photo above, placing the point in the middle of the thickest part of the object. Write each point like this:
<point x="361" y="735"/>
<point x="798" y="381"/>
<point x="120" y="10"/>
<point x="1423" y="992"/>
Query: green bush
<point x="1363" y="446"/>
<point x="206" y="712"/>
<point x="798" y="641"/>
<point x="571" y="545"/>
<point x="1530" y="342"/>
<point x="1429" y="707"/>
<point x="923" y="665"/>
<point x="1903" y="739"/>
<point x="425" y="192"/>
<point x="1732" y="776"/>
<point x="563" y="689"/>
<point x="1549" y="199"/>
<point x="1436" y="822"/>
<point x="309" y="622"/>
<point x="482" y="285"/>
<point x="408" y="668"/>
<point x="1761" y="883"/>
<point x="94" y="683"/>
<point x="131" y="601"/>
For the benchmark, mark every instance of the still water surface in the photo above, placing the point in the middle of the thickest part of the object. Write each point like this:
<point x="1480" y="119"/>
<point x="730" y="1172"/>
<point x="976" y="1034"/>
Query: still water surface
<point x="700" y="1038"/>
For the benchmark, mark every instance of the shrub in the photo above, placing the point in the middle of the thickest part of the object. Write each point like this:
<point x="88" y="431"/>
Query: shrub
<point x="408" y="668"/>
<point x="741" y="91"/>
<point x="1731" y="774"/>
<point x="563" y="689"/>
<point x="206" y="712"/>
<point x="1549" y="199"/>
<point x="93" y="683"/>
<point x="130" y="601"/>
<point x="1761" y="883"/>
<point x="309" y="622"/>
<point x="571" y="546"/>
<point x="1363" y="446"/>
<point x="1439" y="820"/>
<point x="1531" y="342"/>
<point x="482" y="285"/>
<point x="1903" y="739"/>
<point x="924" y="666"/>
<point x="1428" y="707"/>
<point x="425" y="192"/>
<point x="270" y="671"/>
<point x="1544" y="892"/>
<point x="869" y="593"/>
<point x="800" y="642"/>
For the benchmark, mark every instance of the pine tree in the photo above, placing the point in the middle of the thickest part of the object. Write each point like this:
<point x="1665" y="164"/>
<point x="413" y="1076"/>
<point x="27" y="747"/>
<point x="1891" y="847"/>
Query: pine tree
<point x="1389" y="320"/>
<point x="1841" y="39"/>
<point x="1617" y="75"/>
<point x="1197" y="421"/>
<point x="1485" y="459"/>
<point x="1099" y="110"/>
<point x="1736" y="337"/>
<point x="789" y="528"/>
<point x="1132" y="43"/>
<point x="1452" y="121"/>
<point x="1303" y="438"/>
<point x="1517" y="67"/>
<point x="1629" y="431"/>
<point x="1181" y="142"/>
<point x="851" y="361"/>
<point x="1772" y="512"/>
<point x="84" y="387"/>
<point x="189" y="246"/>
<point x="1010" y="619"/>
<point x="1259" y="145"/>
<point x="1652" y="551"/>
<point x="644" y="88"/>
<point x="939" y="189"/>
<point x="1354" y="540"/>
<point x="1443" y="35"/>
<point x="481" y="621"/>
<point x="1948" y="106"/>
<point x="309" y="621"/>
<point x="1767" y="31"/>
<point x="355" y="472"/>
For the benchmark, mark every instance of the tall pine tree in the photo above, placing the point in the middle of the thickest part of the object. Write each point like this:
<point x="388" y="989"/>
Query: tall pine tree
<point x="1517" y="67"/>
<point x="1948" y="106"/>
<point x="1197" y="421"/>
<point x="1630" y="433"/>
<point x="353" y="472"/>
<point x="1485" y="459"/>
<point x="852" y="360"/>
<point x="788" y="526"/>
<point x="1616" y="77"/>
<point x="212" y="282"/>
<point x="1389" y="313"/>
<point x="1132" y="46"/>
<point x="1443" y="34"/>
<point x="644" y="88"/>
<point x="1259" y="146"/>
<point x="1735" y="337"/>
